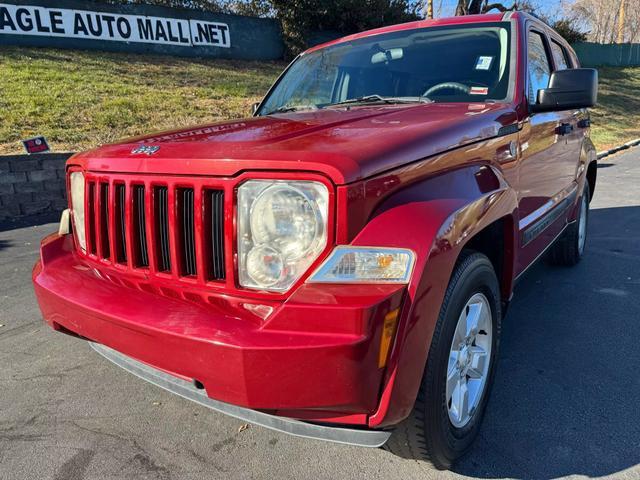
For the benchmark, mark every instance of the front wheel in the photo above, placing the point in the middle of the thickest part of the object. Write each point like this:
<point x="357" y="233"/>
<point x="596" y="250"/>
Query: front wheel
<point x="459" y="371"/>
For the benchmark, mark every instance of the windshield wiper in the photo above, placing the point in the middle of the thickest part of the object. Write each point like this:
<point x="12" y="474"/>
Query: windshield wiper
<point x="364" y="99"/>
<point x="380" y="99"/>
<point x="292" y="108"/>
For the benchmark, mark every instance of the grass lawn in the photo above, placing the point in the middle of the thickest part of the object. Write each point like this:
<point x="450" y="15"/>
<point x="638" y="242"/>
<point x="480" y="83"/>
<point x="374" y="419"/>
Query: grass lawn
<point x="79" y="99"/>
<point x="616" y="119"/>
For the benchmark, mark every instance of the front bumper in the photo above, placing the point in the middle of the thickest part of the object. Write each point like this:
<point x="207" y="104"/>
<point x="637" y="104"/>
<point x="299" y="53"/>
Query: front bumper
<point x="350" y="436"/>
<point x="315" y="358"/>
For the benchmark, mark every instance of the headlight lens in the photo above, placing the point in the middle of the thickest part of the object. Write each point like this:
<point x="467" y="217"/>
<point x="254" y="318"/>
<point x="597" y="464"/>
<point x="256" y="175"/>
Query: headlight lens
<point x="365" y="265"/>
<point x="76" y="182"/>
<point x="282" y="228"/>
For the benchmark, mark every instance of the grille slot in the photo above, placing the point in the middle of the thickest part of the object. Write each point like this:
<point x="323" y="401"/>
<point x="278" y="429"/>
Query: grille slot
<point x="175" y="228"/>
<point x="162" y="228"/>
<point x="121" y="228"/>
<point x="91" y="218"/>
<point x="105" y="251"/>
<point x="215" y="234"/>
<point x="188" y="251"/>
<point x="140" y="222"/>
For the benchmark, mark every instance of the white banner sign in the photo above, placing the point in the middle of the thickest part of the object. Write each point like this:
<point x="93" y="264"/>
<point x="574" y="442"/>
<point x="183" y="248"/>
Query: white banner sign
<point x="89" y="25"/>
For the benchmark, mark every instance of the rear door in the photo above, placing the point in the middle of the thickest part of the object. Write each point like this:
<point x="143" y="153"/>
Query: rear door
<point x="550" y="151"/>
<point x="573" y="120"/>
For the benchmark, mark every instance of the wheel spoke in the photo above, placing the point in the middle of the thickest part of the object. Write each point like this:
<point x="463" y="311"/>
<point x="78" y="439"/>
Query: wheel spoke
<point x="460" y="333"/>
<point x="453" y="361"/>
<point x="460" y="400"/>
<point x="473" y="318"/>
<point x="453" y="376"/>
<point x="484" y="319"/>
<point x="478" y="361"/>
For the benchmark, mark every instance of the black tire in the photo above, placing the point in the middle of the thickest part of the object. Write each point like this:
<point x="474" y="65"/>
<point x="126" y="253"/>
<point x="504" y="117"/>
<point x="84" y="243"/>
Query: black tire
<point x="568" y="250"/>
<point x="428" y="433"/>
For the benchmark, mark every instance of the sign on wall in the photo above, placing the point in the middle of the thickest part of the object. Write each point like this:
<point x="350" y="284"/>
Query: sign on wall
<point x="35" y="145"/>
<point x="92" y="25"/>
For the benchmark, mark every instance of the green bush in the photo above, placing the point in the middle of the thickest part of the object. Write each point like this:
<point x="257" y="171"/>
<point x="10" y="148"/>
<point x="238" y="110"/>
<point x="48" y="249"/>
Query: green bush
<point x="300" y="17"/>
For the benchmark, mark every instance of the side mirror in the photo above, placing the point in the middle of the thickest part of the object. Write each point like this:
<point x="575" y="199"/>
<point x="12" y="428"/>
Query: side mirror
<point x="254" y="108"/>
<point x="569" y="89"/>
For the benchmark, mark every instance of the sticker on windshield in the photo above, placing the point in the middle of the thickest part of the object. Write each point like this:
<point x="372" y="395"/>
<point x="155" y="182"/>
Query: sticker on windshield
<point x="484" y="63"/>
<point x="479" y="91"/>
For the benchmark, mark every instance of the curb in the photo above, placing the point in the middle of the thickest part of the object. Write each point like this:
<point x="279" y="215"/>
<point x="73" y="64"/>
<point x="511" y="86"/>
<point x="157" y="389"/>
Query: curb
<point x="624" y="146"/>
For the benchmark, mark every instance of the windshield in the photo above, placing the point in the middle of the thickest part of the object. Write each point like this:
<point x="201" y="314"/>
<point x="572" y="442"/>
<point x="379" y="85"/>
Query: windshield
<point x="441" y="64"/>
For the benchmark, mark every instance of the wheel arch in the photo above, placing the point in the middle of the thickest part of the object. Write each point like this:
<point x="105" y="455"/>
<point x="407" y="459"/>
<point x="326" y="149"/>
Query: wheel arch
<point x="497" y="241"/>
<point x="588" y="165"/>
<point x="592" y="175"/>
<point x="437" y="218"/>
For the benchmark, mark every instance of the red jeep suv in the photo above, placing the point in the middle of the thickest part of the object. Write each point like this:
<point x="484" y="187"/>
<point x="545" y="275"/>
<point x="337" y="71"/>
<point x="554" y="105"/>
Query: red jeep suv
<point x="338" y="265"/>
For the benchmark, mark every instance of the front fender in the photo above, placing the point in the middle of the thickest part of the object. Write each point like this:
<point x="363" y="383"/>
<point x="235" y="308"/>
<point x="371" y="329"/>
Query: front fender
<point x="435" y="218"/>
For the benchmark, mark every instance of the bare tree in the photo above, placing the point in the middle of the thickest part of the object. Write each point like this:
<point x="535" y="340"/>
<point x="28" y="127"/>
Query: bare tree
<point x="470" y="7"/>
<point x="608" y="22"/>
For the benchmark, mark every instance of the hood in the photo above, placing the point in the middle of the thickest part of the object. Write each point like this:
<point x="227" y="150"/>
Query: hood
<point x="347" y="144"/>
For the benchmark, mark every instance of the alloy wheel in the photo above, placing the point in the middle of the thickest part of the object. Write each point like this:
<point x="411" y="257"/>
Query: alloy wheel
<point x="469" y="358"/>
<point x="582" y="225"/>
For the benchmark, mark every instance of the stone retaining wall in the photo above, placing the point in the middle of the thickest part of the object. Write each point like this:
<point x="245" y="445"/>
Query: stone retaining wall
<point x="32" y="185"/>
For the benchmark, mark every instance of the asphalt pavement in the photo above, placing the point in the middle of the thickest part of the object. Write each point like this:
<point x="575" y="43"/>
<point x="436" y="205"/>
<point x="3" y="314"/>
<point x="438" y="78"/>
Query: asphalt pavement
<point x="566" y="400"/>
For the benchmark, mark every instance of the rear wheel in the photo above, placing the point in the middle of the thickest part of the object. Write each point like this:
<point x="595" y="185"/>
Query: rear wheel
<point x="459" y="371"/>
<point x="569" y="248"/>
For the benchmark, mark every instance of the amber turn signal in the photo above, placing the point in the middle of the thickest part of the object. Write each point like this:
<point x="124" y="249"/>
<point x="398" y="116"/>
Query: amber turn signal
<point x="388" y="332"/>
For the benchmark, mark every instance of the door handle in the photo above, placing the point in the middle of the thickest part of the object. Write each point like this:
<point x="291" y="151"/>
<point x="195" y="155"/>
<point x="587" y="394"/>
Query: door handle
<point x="564" y="129"/>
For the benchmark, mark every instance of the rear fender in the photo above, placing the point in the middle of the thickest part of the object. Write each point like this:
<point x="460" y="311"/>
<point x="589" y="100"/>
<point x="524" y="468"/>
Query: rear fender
<point x="435" y="218"/>
<point x="586" y="173"/>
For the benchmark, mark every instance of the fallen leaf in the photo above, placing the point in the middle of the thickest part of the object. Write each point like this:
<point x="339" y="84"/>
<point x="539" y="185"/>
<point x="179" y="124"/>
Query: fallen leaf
<point x="243" y="427"/>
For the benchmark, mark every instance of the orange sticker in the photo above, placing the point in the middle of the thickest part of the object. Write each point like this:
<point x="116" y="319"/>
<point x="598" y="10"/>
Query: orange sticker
<point x="479" y="91"/>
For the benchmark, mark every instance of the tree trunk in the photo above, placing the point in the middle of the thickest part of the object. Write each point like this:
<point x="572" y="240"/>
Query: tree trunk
<point x="474" y="7"/>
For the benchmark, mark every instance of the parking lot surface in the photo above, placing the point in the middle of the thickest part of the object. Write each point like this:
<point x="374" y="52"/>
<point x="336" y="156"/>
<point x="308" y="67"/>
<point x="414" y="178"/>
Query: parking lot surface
<point x="565" y="402"/>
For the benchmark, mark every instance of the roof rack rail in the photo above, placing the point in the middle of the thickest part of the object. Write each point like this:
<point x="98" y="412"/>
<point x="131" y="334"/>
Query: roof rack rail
<point x="535" y="15"/>
<point x="509" y="14"/>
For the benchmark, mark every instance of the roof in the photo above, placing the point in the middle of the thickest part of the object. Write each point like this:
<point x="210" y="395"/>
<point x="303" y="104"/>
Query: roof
<point x="438" y="22"/>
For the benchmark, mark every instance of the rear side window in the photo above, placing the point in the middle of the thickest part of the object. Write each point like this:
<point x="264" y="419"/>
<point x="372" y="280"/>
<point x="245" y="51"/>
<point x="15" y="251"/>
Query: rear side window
<point x="560" y="57"/>
<point x="539" y="68"/>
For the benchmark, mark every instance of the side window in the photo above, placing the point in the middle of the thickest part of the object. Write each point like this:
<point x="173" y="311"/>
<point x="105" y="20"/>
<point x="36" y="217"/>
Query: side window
<point x="539" y="69"/>
<point x="559" y="56"/>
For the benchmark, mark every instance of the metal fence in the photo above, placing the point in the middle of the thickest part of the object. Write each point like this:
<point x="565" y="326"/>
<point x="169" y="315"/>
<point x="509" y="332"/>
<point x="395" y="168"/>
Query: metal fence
<point x="614" y="55"/>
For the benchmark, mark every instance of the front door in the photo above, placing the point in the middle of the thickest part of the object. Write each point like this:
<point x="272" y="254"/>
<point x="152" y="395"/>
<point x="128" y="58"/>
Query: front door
<point x="550" y="149"/>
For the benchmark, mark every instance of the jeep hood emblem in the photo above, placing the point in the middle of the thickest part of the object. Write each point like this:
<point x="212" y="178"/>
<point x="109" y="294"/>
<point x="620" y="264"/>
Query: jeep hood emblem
<point x="146" y="149"/>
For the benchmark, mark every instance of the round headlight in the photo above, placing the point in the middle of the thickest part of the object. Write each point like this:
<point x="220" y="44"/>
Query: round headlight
<point x="285" y="218"/>
<point x="282" y="228"/>
<point x="265" y="265"/>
